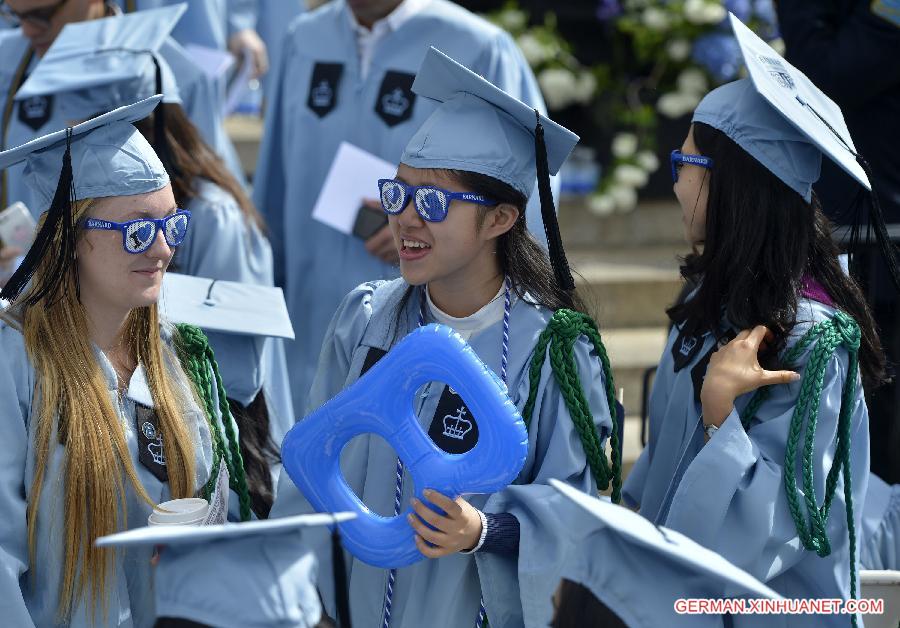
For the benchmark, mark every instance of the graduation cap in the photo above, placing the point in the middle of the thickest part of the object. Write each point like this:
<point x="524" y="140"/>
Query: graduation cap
<point x="191" y="570"/>
<point x="786" y="123"/>
<point x="101" y="157"/>
<point x="620" y="552"/>
<point x="99" y="65"/>
<point x="480" y="128"/>
<point x="248" y="313"/>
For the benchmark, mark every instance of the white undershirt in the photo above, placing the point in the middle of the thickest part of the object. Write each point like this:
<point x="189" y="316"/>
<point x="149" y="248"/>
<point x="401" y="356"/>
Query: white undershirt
<point x="367" y="39"/>
<point x="469" y="326"/>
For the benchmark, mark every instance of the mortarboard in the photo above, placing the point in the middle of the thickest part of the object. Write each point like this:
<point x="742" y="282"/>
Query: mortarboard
<point x="786" y="123"/>
<point x="480" y="128"/>
<point x="247" y="313"/>
<point x="101" y="157"/>
<point x="99" y="65"/>
<point x="639" y="569"/>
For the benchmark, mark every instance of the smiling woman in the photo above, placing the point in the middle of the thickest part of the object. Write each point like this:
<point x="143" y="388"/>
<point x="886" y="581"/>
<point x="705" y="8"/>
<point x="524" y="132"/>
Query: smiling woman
<point x="99" y="419"/>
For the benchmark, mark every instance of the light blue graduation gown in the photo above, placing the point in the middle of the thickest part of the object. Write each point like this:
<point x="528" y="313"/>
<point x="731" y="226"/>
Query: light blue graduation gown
<point x="437" y="593"/>
<point x="272" y="22"/>
<point x="14" y="46"/>
<point x="222" y="244"/>
<point x="880" y="544"/>
<point x="729" y="494"/>
<point x="29" y="597"/>
<point x="315" y="264"/>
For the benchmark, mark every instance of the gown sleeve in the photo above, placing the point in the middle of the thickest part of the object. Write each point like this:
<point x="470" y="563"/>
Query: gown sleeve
<point x="14" y="413"/>
<point x="880" y="543"/>
<point x="732" y="497"/>
<point x="516" y="588"/>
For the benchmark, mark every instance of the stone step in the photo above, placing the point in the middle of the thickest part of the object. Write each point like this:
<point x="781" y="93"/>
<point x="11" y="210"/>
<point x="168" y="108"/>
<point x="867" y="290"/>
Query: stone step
<point x="655" y="221"/>
<point x="628" y="287"/>
<point x="631" y="353"/>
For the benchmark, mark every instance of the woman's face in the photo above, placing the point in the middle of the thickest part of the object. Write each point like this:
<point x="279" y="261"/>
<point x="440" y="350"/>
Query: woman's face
<point x="454" y="248"/>
<point x="692" y="192"/>
<point x="110" y="277"/>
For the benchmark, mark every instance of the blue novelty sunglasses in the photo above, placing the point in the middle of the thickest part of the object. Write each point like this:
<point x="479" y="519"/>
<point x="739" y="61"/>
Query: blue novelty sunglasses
<point x="431" y="203"/>
<point x="678" y="159"/>
<point x="139" y="235"/>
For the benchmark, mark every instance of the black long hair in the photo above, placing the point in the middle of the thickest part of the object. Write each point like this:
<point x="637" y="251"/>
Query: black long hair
<point x="521" y="258"/>
<point x="762" y="238"/>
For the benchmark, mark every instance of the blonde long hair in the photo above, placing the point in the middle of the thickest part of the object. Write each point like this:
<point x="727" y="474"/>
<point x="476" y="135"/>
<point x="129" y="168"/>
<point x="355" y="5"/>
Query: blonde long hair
<point x="71" y="388"/>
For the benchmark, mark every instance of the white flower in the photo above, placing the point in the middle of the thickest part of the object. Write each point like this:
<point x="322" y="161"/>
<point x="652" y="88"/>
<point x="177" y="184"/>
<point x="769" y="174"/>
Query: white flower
<point x="558" y="86"/>
<point x="678" y="49"/>
<point x="692" y="81"/>
<point x="714" y="13"/>
<point x="534" y="51"/>
<point x="655" y="19"/>
<point x="624" y="197"/>
<point x="601" y="204"/>
<point x="624" y="145"/>
<point x="585" y="88"/>
<point x="676" y="104"/>
<point x="648" y="161"/>
<point x="512" y="19"/>
<point x="703" y="12"/>
<point x="777" y="45"/>
<point x="630" y="176"/>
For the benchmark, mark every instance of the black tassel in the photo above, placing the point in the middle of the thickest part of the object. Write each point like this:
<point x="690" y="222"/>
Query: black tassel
<point x="341" y="589"/>
<point x="58" y="227"/>
<point x="548" y="212"/>
<point x="876" y="220"/>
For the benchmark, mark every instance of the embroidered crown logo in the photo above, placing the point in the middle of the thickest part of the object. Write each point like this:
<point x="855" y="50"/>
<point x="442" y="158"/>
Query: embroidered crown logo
<point x="35" y="107"/>
<point x="455" y="426"/>
<point x="322" y="94"/>
<point x="155" y="447"/>
<point x="395" y="103"/>
<point x="687" y="345"/>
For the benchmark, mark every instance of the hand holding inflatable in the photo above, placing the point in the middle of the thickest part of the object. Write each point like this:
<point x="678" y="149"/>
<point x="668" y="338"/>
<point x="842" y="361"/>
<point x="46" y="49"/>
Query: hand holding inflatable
<point x="381" y="402"/>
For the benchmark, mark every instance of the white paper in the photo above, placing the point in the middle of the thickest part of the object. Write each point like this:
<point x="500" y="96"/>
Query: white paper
<point x="218" y="501"/>
<point x="178" y="535"/>
<point x="353" y="177"/>
<point x="239" y="84"/>
<point x="213" y="62"/>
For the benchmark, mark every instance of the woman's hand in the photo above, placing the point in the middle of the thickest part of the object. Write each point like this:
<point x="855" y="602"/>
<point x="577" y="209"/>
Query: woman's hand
<point x="734" y="370"/>
<point x="456" y="531"/>
<point x="8" y="254"/>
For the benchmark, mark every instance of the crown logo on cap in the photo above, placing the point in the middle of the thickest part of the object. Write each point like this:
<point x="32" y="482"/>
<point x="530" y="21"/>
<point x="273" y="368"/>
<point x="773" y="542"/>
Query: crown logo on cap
<point x="322" y="94"/>
<point x="777" y="71"/>
<point x="395" y="103"/>
<point x="455" y="426"/>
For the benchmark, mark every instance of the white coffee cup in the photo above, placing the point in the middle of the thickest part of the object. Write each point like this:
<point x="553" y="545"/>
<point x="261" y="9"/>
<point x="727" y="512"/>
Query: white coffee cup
<point x="189" y="511"/>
